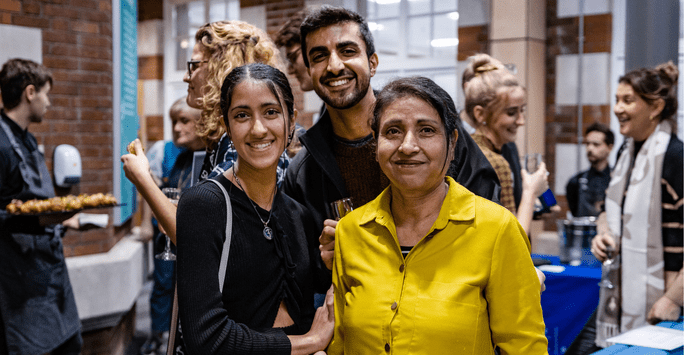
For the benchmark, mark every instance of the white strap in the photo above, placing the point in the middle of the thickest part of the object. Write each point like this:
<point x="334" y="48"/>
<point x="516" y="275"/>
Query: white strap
<point x="226" y="243"/>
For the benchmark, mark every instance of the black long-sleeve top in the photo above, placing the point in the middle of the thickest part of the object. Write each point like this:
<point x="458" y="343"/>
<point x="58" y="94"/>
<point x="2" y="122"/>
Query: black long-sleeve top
<point x="260" y="273"/>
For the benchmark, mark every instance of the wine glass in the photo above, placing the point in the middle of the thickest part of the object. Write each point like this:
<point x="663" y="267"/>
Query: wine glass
<point x="173" y="194"/>
<point x="341" y="207"/>
<point x="607" y="267"/>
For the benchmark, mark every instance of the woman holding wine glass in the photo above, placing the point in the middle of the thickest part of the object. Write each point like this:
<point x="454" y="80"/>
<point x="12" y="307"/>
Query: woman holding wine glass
<point x="428" y="267"/>
<point x="273" y="268"/>
<point x="641" y="228"/>
<point x="496" y="101"/>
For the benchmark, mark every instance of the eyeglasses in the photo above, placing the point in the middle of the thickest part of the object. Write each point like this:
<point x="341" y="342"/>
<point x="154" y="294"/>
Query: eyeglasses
<point x="194" y="65"/>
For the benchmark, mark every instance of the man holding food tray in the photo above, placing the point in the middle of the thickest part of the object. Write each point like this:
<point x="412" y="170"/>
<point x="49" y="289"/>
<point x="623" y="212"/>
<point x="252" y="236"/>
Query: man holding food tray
<point x="37" y="308"/>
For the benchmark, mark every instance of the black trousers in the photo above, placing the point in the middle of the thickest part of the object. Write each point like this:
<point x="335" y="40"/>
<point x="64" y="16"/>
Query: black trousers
<point x="585" y="342"/>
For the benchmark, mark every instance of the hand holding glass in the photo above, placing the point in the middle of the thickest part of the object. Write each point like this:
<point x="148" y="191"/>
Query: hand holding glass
<point x="173" y="194"/>
<point x="341" y="207"/>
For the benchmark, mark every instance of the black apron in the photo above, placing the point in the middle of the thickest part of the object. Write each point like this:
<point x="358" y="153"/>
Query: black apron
<point x="590" y="197"/>
<point x="36" y="300"/>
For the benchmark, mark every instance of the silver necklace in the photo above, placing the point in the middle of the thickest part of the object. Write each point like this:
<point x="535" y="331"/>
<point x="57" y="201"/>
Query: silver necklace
<point x="268" y="232"/>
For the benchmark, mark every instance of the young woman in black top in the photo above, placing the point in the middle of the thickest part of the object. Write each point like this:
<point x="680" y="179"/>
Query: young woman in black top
<point x="266" y="304"/>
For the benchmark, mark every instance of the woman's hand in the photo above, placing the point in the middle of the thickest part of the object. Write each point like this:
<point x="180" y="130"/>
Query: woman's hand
<point x="136" y="166"/>
<point x="536" y="182"/>
<point x="318" y="338"/>
<point x="542" y="279"/>
<point x="327" y="240"/>
<point x="600" y="245"/>
<point x="663" y="309"/>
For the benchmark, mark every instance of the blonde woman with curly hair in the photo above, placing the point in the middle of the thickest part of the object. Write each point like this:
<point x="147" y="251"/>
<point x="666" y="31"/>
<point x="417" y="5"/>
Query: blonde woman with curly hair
<point x="495" y="101"/>
<point x="220" y="47"/>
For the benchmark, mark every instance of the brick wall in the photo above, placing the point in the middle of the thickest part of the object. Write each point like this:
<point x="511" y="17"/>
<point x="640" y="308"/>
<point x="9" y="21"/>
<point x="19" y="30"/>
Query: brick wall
<point x="77" y="48"/>
<point x="561" y="121"/>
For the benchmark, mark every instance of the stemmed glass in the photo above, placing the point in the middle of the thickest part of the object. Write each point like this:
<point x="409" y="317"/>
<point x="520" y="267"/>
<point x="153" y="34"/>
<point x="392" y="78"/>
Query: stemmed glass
<point x="341" y="207"/>
<point x="173" y="194"/>
<point x="607" y="267"/>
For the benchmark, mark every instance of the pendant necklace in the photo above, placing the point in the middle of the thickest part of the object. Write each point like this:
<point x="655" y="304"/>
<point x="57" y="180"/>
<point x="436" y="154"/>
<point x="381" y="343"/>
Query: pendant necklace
<point x="268" y="232"/>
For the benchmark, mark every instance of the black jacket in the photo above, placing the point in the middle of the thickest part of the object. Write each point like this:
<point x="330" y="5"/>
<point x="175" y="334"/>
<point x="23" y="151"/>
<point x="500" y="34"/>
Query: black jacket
<point x="314" y="179"/>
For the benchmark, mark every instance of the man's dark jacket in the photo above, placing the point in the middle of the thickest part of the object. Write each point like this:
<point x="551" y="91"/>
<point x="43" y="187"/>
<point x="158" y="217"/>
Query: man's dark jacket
<point x="314" y="179"/>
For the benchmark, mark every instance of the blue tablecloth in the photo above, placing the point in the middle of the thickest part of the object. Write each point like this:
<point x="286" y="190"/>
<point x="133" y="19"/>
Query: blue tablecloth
<point x="622" y="349"/>
<point x="567" y="303"/>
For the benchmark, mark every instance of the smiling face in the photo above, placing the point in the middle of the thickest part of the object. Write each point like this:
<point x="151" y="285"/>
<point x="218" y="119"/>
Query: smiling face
<point x="257" y="124"/>
<point x="503" y="125"/>
<point x="197" y="80"/>
<point x="412" y="148"/>
<point x="634" y="114"/>
<point x="338" y="64"/>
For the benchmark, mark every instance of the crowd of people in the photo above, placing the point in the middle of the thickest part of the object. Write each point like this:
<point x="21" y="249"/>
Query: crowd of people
<point x="435" y="257"/>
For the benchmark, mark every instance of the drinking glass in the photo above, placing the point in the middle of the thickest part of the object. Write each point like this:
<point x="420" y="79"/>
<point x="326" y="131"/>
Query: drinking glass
<point x="532" y="162"/>
<point x="173" y="194"/>
<point x="607" y="268"/>
<point x="341" y="207"/>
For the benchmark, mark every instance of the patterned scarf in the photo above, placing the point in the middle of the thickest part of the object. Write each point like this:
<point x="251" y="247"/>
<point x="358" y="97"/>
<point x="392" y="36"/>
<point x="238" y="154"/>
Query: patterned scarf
<point x="633" y="211"/>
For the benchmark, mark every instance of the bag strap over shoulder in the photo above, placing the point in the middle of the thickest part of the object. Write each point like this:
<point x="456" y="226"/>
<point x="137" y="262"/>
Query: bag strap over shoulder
<point x="171" y="348"/>
<point x="226" y="243"/>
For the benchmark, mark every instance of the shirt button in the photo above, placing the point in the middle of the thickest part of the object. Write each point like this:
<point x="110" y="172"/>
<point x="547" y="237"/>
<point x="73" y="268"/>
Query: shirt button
<point x="394" y="306"/>
<point x="401" y="268"/>
<point x="387" y="348"/>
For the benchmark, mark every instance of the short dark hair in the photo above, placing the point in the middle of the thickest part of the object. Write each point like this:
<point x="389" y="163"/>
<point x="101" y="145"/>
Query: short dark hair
<point x="289" y="34"/>
<point x="273" y="78"/>
<point x="16" y="75"/>
<point x="421" y="88"/>
<point x="600" y="127"/>
<point x="327" y="16"/>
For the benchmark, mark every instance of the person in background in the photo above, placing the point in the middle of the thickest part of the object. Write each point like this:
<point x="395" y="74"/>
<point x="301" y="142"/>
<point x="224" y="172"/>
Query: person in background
<point x="172" y="170"/>
<point x="38" y="312"/>
<point x="587" y="190"/>
<point x="289" y="40"/>
<point x="496" y="101"/>
<point x="641" y="228"/>
<point x="428" y="267"/>
<point x="219" y="47"/>
<point x="266" y="304"/>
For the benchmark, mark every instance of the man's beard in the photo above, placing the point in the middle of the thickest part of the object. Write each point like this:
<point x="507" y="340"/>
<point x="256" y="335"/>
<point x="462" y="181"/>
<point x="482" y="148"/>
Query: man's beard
<point x="349" y="100"/>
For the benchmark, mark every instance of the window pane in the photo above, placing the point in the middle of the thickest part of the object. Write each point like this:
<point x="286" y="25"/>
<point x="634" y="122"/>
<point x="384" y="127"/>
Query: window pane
<point x="386" y="8"/>
<point x="447" y="81"/>
<point x="196" y="16"/>
<point x="370" y="10"/>
<point x="217" y="11"/>
<point x="419" y="7"/>
<point x="445" y="5"/>
<point x="419" y="36"/>
<point x="387" y="37"/>
<point x="445" y="29"/>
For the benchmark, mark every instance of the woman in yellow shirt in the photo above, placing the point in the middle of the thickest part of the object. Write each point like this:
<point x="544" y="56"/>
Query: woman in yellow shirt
<point x="428" y="267"/>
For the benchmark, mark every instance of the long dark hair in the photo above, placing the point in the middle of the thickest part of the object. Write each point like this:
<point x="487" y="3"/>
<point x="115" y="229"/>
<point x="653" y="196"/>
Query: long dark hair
<point x="274" y="79"/>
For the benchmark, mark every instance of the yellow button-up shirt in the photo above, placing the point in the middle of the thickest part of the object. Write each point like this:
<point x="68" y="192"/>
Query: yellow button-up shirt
<point x="465" y="287"/>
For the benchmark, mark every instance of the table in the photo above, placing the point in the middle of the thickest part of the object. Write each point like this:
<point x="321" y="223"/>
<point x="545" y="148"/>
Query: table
<point x="570" y="297"/>
<point x="622" y="349"/>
